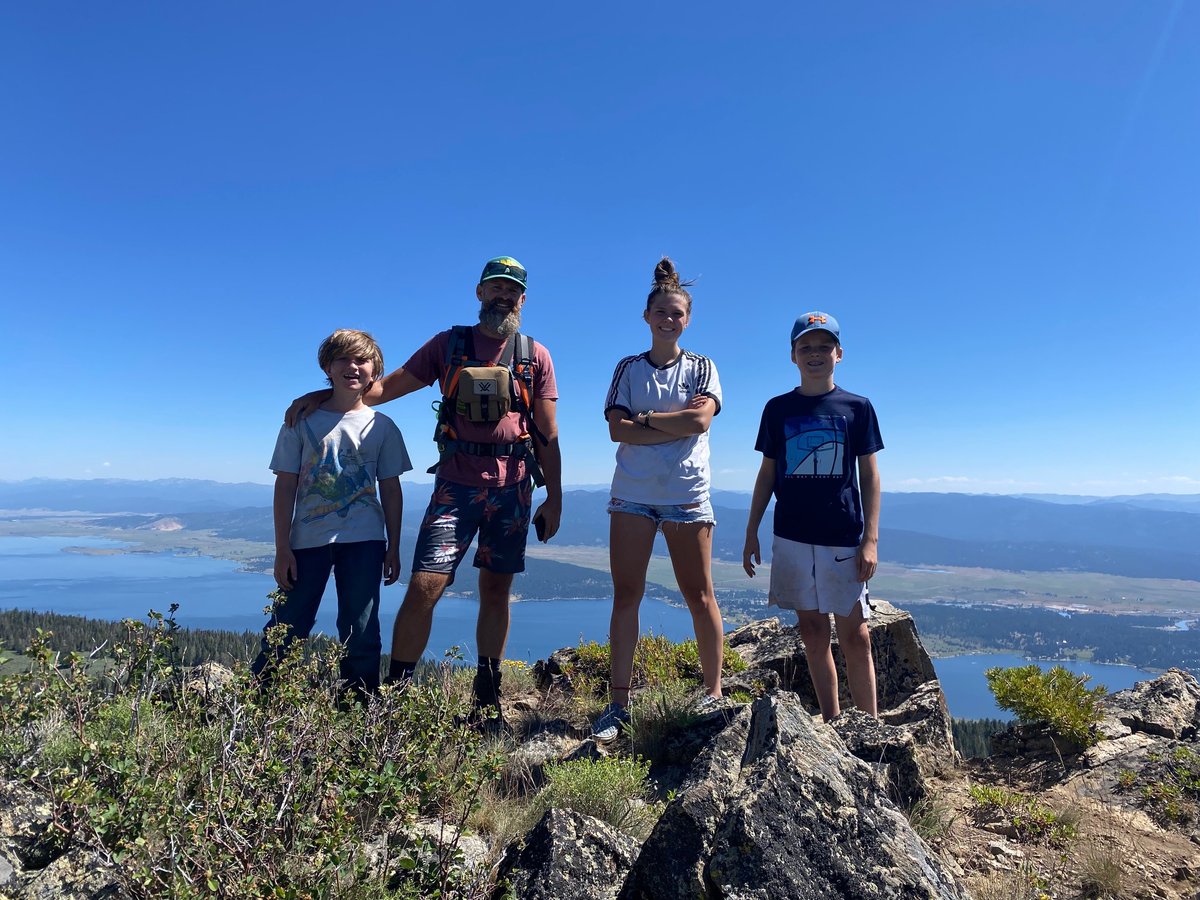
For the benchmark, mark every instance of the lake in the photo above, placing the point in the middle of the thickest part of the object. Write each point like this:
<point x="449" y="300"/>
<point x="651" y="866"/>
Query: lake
<point x="36" y="574"/>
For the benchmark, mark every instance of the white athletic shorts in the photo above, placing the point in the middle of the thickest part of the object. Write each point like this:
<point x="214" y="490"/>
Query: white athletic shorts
<point x="811" y="577"/>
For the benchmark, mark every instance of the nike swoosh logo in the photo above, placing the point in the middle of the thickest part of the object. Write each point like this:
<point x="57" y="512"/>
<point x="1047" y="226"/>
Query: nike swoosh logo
<point x="843" y="558"/>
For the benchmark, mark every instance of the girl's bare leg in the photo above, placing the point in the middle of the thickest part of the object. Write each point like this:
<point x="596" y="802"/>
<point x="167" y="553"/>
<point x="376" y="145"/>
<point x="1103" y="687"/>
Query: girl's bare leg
<point x="630" y="543"/>
<point x="690" y="545"/>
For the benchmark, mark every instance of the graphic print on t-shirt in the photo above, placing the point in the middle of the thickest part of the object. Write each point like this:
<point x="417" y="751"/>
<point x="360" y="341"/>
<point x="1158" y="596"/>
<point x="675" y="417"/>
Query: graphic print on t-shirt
<point x="815" y="446"/>
<point x="338" y="478"/>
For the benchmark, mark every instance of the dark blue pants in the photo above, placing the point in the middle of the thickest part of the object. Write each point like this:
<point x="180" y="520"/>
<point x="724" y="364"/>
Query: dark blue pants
<point x="357" y="572"/>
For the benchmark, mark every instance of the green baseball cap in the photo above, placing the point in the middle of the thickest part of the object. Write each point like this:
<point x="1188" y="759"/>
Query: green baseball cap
<point x="504" y="267"/>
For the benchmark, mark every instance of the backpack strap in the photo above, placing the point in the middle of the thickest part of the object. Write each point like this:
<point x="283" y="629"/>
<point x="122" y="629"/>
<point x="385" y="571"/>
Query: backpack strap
<point x="460" y="351"/>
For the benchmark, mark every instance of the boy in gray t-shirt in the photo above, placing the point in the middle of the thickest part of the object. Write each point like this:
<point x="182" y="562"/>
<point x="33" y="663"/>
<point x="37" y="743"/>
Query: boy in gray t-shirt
<point x="327" y="515"/>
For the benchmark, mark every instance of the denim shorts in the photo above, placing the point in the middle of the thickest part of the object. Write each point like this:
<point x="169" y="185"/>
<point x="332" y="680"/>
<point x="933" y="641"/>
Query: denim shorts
<point x="687" y="514"/>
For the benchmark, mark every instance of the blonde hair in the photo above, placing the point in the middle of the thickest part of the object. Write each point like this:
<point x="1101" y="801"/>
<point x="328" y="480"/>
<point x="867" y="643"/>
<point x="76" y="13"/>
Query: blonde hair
<point x="666" y="281"/>
<point x="348" y="342"/>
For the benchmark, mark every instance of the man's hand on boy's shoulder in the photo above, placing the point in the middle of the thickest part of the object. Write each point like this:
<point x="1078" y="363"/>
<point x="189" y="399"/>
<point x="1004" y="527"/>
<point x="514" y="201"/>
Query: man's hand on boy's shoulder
<point x="303" y="407"/>
<point x="868" y="559"/>
<point x="391" y="565"/>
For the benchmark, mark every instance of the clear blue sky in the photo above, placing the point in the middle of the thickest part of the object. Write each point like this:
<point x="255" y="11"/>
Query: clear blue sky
<point x="999" y="200"/>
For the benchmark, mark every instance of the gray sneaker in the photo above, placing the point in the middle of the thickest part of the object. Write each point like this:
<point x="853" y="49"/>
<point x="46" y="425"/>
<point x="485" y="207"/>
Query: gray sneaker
<point x="609" y="725"/>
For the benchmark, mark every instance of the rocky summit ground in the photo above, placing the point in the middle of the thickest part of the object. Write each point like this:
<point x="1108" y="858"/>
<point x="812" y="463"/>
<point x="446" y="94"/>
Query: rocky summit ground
<point x="761" y="799"/>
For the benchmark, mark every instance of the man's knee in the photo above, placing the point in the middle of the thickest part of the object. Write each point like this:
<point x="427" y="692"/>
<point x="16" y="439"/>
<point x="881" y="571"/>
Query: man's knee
<point x="425" y="589"/>
<point x="494" y="587"/>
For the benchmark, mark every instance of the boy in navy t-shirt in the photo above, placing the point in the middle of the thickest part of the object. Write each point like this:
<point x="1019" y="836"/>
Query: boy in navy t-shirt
<point x="814" y="441"/>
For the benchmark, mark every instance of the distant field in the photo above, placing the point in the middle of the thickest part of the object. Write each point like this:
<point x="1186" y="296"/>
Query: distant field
<point x="726" y="576"/>
<point x="898" y="584"/>
<point x="1102" y="593"/>
<point x="201" y="543"/>
<point x="13" y="662"/>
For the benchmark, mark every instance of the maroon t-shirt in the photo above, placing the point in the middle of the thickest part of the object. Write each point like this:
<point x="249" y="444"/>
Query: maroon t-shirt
<point x="426" y="365"/>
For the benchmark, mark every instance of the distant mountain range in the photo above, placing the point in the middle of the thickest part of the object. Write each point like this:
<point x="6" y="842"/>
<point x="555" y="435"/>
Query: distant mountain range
<point x="106" y="495"/>
<point x="1152" y="535"/>
<point x="1177" y="502"/>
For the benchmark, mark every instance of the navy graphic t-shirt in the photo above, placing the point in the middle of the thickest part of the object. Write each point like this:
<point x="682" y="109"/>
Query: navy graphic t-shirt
<point x="816" y="442"/>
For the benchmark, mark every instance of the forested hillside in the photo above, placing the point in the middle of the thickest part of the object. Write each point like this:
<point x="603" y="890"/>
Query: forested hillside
<point x="76" y="633"/>
<point x="1148" y="642"/>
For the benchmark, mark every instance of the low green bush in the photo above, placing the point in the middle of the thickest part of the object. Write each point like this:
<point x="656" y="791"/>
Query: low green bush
<point x="1168" y="786"/>
<point x="1058" y="697"/>
<point x="1027" y="818"/>
<point x="656" y="660"/>
<point x="241" y="791"/>
<point x="613" y="789"/>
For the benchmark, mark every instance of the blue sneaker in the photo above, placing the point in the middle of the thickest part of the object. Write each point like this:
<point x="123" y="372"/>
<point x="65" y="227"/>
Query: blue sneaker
<point x="609" y="725"/>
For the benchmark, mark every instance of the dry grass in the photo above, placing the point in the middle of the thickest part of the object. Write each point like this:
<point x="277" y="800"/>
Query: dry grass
<point x="1102" y="872"/>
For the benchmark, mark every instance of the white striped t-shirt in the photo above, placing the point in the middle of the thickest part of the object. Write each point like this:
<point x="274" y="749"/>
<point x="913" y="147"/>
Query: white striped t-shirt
<point x="677" y="472"/>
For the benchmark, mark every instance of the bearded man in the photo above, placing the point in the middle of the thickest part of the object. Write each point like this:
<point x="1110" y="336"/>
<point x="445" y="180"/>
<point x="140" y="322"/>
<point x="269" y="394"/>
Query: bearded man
<point x="496" y="435"/>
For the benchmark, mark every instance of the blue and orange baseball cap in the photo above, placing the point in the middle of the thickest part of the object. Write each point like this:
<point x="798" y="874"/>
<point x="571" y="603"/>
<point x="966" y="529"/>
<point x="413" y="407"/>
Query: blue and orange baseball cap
<point x="504" y="267"/>
<point x="816" y="321"/>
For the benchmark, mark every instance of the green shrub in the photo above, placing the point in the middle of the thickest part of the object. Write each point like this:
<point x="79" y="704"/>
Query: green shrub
<point x="612" y="789"/>
<point x="1169" y="786"/>
<point x="1057" y="697"/>
<point x="657" y="660"/>
<point x="1025" y="817"/>
<point x="242" y="792"/>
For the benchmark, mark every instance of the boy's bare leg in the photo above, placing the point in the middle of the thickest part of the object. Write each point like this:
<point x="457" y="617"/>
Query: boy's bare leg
<point x="690" y="547"/>
<point x="491" y="629"/>
<point x="855" y="640"/>
<point x="410" y="634"/>
<point x="630" y="543"/>
<point x="815" y="632"/>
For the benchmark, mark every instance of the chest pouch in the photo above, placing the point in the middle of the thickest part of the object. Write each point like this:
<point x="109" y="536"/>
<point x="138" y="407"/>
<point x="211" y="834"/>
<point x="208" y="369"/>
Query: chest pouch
<point x="484" y="393"/>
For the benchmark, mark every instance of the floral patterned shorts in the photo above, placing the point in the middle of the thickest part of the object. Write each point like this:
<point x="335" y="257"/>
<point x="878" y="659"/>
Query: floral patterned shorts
<point x="456" y="512"/>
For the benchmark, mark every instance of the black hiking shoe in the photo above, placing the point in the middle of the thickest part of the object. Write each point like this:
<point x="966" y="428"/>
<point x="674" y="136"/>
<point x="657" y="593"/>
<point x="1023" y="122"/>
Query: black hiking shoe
<point x="488" y="721"/>
<point x="486" y="716"/>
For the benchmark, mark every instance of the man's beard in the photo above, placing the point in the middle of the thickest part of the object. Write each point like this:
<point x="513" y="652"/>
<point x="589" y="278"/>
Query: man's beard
<point x="503" y="322"/>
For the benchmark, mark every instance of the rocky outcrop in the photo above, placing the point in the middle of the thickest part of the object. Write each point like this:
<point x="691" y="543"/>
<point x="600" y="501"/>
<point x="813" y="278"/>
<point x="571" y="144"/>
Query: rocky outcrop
<point x="1134" y="723"/>
<point x="775" y="807"/>
<point x="1144" y="728"/>
<point x="77" y="875"/>
<point x="1168" y="706"/>
<point x="567" y="856"/>
<point x="553" y="674"/>
<point x="902" y="665"/>
<point x="914" y="730"/>
<point x="39" y="863"/>
<point x="890" y="750"/>
<point x="1132" y="794"/>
